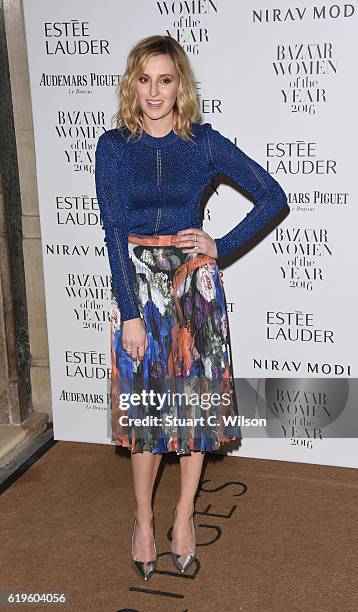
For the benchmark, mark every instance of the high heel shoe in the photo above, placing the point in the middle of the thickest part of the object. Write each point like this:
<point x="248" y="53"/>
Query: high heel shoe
<point x="183" y="562"/>
<point x="144" y="568"/>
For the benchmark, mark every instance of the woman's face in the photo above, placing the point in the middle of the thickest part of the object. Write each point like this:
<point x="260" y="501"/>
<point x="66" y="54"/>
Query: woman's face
<point x="157" y="87"/>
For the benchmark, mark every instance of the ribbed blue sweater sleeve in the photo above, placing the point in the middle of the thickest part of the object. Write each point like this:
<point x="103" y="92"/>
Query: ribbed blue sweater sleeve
<point x="107" y="160"/>
<point x="269" y="198"/>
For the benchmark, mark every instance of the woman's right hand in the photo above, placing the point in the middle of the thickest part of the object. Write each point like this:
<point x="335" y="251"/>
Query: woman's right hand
<point x="134" y="338"/>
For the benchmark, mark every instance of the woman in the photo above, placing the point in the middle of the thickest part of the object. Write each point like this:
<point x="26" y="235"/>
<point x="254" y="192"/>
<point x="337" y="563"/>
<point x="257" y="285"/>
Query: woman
<point x="169" y="328"/>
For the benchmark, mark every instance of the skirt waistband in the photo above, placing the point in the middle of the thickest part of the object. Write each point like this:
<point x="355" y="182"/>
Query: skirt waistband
<point x="164" y="240"/>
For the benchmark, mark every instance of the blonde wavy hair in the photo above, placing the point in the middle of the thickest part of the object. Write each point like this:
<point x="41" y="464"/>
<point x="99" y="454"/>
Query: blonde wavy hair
<point x="186" y="106"/>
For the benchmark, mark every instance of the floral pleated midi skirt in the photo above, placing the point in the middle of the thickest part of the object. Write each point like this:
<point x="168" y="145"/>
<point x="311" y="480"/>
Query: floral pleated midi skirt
<point x="181" y="397"/>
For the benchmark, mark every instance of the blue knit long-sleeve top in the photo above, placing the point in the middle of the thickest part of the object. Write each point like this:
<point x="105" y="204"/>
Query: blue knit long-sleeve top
<point x="154" y="186"/>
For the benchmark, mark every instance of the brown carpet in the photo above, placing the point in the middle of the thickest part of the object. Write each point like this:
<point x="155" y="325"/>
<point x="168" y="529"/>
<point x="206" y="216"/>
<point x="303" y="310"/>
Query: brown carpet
<point x="277" y="536"/>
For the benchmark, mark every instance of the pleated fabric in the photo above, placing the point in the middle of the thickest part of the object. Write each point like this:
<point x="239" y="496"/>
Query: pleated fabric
<point x="181" y="397"/>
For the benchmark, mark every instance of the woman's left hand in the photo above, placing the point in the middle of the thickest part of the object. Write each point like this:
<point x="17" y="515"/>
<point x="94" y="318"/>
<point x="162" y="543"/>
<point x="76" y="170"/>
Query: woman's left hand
<point x="199" y="240"/>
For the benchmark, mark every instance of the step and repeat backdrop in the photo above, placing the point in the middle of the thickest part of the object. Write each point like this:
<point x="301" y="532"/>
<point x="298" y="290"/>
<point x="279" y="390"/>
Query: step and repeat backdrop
<point x="280" y="82"/>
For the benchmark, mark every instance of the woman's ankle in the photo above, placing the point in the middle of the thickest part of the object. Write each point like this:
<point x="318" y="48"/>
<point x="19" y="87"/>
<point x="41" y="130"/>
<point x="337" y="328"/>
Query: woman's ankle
<point x="185" y="509"/>
<point x="143" y="515"/>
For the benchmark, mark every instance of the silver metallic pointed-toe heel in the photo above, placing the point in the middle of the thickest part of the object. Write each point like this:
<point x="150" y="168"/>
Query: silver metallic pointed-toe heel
<point x="183" y="562"/>
<point x="144" y="568"/>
